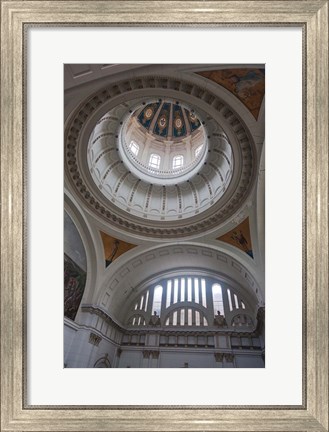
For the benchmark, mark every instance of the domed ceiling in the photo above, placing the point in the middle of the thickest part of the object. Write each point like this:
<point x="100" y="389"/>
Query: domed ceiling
<point x="161" y="160"/>
<point x="153" y="195"/>
<point x="149" y="206"/>
<point x="168" y="120"/>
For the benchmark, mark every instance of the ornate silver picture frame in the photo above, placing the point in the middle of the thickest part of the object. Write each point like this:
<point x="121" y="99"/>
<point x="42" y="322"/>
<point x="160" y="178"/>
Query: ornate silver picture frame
<point x="16" y="17"/>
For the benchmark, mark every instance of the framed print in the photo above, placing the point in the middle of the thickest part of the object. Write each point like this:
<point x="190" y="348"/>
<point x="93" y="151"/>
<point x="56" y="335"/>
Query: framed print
<point x="189" y="201"/>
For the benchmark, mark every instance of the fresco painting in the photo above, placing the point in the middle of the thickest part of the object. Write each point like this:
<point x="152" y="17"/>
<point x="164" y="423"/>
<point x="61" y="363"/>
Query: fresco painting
<point x="193" y="120"/>
<point x="248" y="85"/>
<point x="162" y="125"/>
<point x="147" y="114"/>
<point x="179" y="127"/>
<point x="114" y="247"/>
<point x="74" y="285"/>
<point x="239" y="237"/>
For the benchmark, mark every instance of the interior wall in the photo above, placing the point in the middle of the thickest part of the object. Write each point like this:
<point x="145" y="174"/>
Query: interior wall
<point x="98" y="343"/>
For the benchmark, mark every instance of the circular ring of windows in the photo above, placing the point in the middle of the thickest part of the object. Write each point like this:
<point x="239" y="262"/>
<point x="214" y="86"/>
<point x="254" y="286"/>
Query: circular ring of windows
<point x="163" y="141"/>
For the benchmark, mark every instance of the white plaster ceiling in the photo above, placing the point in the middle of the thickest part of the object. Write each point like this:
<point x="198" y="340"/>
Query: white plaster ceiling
<point x="207" y="201"/>
<point x="115" y="87"/>
<point x="138" y="194"/>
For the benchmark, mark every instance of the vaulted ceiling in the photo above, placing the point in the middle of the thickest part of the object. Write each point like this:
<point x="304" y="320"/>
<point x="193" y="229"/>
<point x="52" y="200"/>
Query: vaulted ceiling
<point x="217" y="210"/>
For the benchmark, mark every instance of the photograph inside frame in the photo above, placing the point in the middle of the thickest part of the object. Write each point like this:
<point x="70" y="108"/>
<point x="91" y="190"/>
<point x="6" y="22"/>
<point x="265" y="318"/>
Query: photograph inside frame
<point x="164" y="216"/>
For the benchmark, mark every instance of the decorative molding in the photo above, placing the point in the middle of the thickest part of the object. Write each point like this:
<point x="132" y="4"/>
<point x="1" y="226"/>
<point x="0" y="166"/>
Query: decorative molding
<point x="151" y="353"/>
<point x="103" y="361"/>
<point x="229" y="357"/>
<point x="146" y="354"/>
<point x="94" y="339"/>
<point x="219" y="357"/>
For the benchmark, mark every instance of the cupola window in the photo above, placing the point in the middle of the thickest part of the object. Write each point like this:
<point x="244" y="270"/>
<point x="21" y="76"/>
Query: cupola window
<point x="154" y="161"/>
<point x="134" y="148"/>
<point x="178" y="161"/>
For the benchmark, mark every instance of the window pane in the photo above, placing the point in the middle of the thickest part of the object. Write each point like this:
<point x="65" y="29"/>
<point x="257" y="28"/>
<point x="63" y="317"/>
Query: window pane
<point x="243" y="305"/>
<point x="203" y="292"/>
<point x="146" y="301"/>
<point x="189" y="289"/>
<point x="134" y="147"/>
<point x="154" y="161"/>
<point x="189" y="317"/>
<point x="218" y="299"/>
<point x="157" y="300"/>
<point x="197" y="318"/>
<point x="174" y="318"/>
<point x="229" y="299"/>
<point x="175" y="291"/>
<point x="182" y="289"/>
<point x="236" y="301"/>
<point x="182" y="317"/>
<point x="196" y="290"/>
<point x="198" y="150"/>
<point x="168" y="293"/>
<point x="178" y="161"/>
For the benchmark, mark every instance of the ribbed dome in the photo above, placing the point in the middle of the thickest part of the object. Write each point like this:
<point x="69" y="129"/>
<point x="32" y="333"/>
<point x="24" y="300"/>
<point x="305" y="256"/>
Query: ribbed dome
<point x="167" y="119"/>
<point x="147" y="196"/>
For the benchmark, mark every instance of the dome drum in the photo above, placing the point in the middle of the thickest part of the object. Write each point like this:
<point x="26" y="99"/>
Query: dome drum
<point x="178" y="158"/>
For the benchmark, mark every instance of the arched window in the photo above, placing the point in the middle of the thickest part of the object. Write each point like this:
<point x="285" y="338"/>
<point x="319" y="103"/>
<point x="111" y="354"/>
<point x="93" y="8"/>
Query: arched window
<point x="242" y="321"/>
<point x="103" y="362"/>
<point x="143" y="302"/>
<point x="178" y="161"/>
<point x="198" y="150"/>
<point x="157" y="297"/>
<point x="154" y="161"/>
<point x="134" y="148"/>
<point x="234" y="302"/>
<point x="189" y="300"/>
<point x="186" y="317"/>
<point x="217" y="296"/>
<point x="137" y="320"/>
